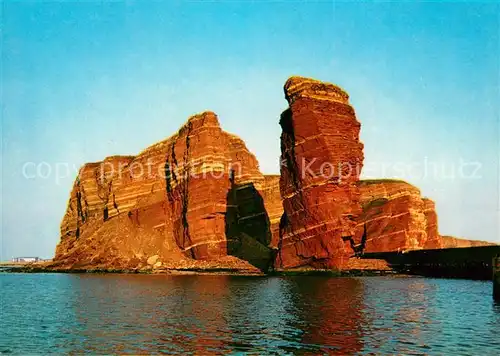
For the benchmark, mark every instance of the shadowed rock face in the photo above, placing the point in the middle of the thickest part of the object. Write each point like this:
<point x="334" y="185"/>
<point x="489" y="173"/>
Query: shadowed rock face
<point x="321" y="161"/>
<point x="170" y="201"/>
<point x="248" y="228"/>
<point x="272" y="201"/>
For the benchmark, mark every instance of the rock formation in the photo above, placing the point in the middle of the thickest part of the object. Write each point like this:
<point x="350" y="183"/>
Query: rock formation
<point x="395" y="217"/>
<point x="321" y="159"/>
<point x="198" y="200"/>
<point x="194" y="196"/>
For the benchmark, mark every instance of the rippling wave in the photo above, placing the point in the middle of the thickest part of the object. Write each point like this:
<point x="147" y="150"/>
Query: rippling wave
<point x="140" y="314"/>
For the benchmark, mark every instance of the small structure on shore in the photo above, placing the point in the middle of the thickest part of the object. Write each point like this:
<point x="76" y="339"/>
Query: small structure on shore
<point x="26" y="259"/>
<point x="496" y="278"/>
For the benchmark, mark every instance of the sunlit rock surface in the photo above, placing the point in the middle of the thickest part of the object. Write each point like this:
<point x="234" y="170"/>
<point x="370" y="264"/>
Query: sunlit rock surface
<point x="198" y="201"/>
<point x="395" y="217"/>
<point x="178" y="199"/>
<point x="321" y="159"/>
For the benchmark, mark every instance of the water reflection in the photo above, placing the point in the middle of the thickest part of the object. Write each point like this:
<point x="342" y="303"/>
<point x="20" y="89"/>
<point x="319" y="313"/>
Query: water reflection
<point x="331" y="313"/>
<point x="132" y="314"/>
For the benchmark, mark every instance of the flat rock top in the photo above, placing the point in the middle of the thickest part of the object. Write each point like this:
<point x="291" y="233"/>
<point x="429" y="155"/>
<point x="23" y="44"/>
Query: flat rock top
<point x="296" y="87"/>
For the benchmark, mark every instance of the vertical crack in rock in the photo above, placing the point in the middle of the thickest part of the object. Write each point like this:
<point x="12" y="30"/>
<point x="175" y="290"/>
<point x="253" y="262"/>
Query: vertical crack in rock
<point x="288" y="148"/>
<point x="104" y="188"/>
<point x="168" y="181"/>
<point x="115" y="205"/>
<point x="170" y="166"/>
<point x="357" y="248"/>
<point x="282" y="226"/>
<point x="80" y="214"/>
<point x="185" y="189"/>
<point x="174" y="160"/>
<point x="86" y="212"/>
<point x="177" y="188"/>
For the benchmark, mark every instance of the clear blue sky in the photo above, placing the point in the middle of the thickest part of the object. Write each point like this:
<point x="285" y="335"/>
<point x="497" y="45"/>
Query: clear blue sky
<point x="82" y="81"/>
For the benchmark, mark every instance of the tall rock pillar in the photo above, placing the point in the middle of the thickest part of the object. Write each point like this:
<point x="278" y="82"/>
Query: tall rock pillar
<point x="321" y="159"/>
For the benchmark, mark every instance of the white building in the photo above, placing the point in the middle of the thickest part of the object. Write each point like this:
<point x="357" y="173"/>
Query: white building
<point x="25" y="259"/>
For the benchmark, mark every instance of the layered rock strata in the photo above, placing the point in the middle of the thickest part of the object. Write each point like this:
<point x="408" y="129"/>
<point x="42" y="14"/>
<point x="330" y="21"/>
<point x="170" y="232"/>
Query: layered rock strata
<point x="321" y="159"/>
<point x="174" y="200"/>
<point x="198" y="200"/>
<point x="395" y="217"/>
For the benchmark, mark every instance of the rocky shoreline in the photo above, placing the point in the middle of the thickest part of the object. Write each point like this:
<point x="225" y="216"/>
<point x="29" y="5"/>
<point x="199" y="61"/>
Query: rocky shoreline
<point x="358" y="268"/>
<point x="215" y="271"/>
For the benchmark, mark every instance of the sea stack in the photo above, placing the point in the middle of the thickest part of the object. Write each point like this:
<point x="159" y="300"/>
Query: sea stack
<point x="321" y="159"/>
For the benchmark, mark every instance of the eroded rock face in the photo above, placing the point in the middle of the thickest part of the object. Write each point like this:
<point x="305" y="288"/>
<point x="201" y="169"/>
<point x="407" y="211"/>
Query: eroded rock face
<point x="172" y="200"/>
<point x="395" y="217"/>
<point x="434" y="240"/>
<point x="455" y="242"/>
<point x="198" y="200"/>
<point x="321" y="158"/>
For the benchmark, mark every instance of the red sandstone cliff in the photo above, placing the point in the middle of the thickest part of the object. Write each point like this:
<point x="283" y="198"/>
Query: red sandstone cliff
<point x="321" y="160"/>
<point x="194" y="196"/>
<point x="395" y="217"/>
<point x="197" y="200"/>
